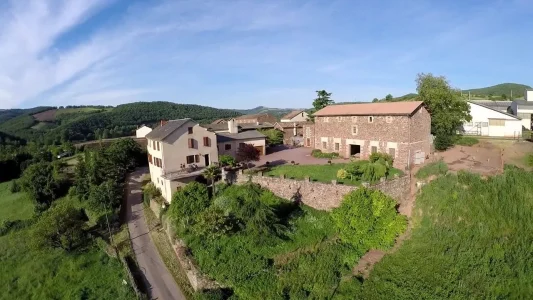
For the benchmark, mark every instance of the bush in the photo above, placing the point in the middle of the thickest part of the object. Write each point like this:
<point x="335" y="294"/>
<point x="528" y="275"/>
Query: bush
<point x="317" y="153"/>
<point x="374" y="171"/>
<point x="529" y="160"/>
<point x="367" y="219"/>
<point x="226" y="160"/>
<point x="443" y="141"/>
<point x="466" y="140"/>
<point x="189" y="201"/>
<point x="384" y="158"/>
<point x="436" y="168"/>
<point x="342" y="174"/>
<point x="15" y="187"/>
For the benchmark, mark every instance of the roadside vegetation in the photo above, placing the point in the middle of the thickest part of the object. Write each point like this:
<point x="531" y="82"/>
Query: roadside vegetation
<point x="261" y="246"/>
<point x="55" y="228"/>
<point x="317" y="153"/>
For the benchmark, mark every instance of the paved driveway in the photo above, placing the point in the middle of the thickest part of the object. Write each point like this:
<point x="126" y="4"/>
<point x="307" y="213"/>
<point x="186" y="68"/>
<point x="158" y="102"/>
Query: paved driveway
<point x="282" y="155"/>
<point x="161" y="284"/>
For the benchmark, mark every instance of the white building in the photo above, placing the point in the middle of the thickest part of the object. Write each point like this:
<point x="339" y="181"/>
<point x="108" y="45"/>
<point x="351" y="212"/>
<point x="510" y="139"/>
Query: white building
<point x="295" y="116"/>
<point x="142" y="131"/>
<point x="178" y="151"/>
<point x="487" y="121"/>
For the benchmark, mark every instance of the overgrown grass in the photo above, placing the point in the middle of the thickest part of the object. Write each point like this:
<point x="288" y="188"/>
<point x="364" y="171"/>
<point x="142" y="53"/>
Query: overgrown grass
<point x="435" y="168"/>
<point x="471" y="240"/>
<point x="465" y="140"/>
<point x="28" y="273"/>
<point x="321" y="173"/>
<point x="14" y="206"/>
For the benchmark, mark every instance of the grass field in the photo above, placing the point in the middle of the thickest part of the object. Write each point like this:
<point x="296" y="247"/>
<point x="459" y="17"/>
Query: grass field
<point x="320" y="173"/>
<point x="14" y="206"/>
<point x="27" y="273"/>
<point x="471" y="240"/>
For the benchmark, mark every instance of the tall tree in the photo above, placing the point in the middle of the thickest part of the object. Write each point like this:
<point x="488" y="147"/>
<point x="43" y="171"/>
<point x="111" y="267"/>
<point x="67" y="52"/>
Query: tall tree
<point x="322" y="100"/>
<point x="375" y="100"/>
<point x="504" y="97"/>
<point x="39" y="182"/>
<point x="388" y="98"/>
<point x="448" y="110"/>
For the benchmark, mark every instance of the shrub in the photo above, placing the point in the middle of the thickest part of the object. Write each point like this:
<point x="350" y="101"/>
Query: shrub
<point x="367" y="219"/>
<point x="189" y="201"/>
<point x="226" y="160"/>
<point x="15" y="187"/>
<point x="342" y="174"/>
<point x="317" y="153"/>
<point x="373" y="172"/>
<point x="436" y="168"/>
<point x="466" y="140"/>
<point x="443" y="141"/>
<point x="384" y="158"/>
<point x="529" y="160"/>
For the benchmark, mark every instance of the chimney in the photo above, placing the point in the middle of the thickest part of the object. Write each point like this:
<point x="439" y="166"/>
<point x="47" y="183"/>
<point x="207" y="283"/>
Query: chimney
<point x="232" y="127"/>
<point x="163" y="122"/>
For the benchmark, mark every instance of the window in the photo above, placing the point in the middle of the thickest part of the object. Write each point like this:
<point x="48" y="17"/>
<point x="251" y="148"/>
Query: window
<point x="484" y="124"/>
<point x="190" y="130"/>
<point x="388" y="119"/>
<point x="308" y="131"/>
<point x="354" y="130"/>
<point x="241" y="145"/>
<point x="149" y="144"/>
<point x="150" y="158"/>
<point x="154" y="145"/>
<point x="324" y="145"/>
<point x="337" y="146"/>
<point x="392" y="152"/>
<point x="493" y="122"/>
<point x="197" y="158"/>
<point x="190" y="159"/>
<point x="354" y="119"/>
<point x="374" y="149"/>
<point x="191" y="143"/>
<point x="207" y="141"/>
<point x="370" y="119"/>
<point x="157" y="146"/>
<point x="227" y="146"/>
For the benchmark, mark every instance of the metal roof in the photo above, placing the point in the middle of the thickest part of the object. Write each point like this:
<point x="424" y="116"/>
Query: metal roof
<point x="162" y="132"/>
<point x="494" y="109"/>
<point x="245" y="135"/>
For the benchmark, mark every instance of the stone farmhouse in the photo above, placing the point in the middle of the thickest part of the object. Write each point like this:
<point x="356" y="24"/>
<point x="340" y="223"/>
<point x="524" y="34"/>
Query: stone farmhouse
<point x="179" y="150"/>
<point x="401" y="129"/>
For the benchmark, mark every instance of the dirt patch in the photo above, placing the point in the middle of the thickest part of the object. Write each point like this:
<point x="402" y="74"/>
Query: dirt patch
<point x="484" y="158"/>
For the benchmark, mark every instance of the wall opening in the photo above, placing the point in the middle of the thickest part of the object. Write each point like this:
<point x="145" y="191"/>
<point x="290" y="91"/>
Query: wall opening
<point x="355" y="149"/>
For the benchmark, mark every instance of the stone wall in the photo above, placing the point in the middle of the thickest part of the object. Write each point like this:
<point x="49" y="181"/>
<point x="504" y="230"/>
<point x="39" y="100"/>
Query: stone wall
<point x="323" y="196"/>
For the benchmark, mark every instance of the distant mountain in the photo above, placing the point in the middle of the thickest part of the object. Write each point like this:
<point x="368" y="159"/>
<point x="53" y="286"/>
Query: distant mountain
<point x="498" y="90"/>
<point x="277" y="112"/>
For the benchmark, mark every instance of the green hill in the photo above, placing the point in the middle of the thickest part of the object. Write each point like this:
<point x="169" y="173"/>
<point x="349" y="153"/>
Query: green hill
<point x="87" y="124"/>
<point x="498" y="90"/>
<point x="276" y="112"/>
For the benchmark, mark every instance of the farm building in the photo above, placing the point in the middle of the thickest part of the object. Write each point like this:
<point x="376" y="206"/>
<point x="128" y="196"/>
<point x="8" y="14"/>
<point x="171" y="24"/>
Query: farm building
<point x="142" y="131"/>
<point x="489" y="121"/>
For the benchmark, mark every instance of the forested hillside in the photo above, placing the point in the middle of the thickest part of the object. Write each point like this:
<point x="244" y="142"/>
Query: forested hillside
<point x="276" y="112"/>
<point x="89" y="123"/>
<point x="497" y="91"/>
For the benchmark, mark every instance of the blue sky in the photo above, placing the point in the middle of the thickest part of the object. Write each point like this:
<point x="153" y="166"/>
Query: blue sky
<point x="241" y="54"/>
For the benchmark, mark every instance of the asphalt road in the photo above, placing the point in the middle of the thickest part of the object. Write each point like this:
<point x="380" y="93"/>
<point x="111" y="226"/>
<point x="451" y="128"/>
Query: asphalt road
<point x="161" y="284"/>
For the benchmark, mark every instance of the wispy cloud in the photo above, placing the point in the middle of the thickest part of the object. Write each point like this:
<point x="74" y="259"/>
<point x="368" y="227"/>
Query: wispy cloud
<point x="234" y="53"/>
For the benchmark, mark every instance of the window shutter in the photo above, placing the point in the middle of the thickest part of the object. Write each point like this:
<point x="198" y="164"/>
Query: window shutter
<point x="191" y="143"/>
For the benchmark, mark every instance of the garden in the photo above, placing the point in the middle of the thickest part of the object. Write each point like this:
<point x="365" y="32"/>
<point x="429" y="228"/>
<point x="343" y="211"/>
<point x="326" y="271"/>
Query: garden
<point x="258" y="245"/>
<point x="353" y="173"/>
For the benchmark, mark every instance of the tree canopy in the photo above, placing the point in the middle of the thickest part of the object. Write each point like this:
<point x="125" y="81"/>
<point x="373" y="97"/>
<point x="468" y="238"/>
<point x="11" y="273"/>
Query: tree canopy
<point x="448" y="110"/>
<point x="322" y="100"/>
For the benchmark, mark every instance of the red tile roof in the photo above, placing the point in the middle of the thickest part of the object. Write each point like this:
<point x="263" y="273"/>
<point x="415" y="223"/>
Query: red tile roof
<point x="369" y="109"/>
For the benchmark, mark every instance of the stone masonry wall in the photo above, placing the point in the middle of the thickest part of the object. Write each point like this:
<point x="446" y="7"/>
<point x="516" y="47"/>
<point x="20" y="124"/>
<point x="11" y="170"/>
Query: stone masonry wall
<point x="324" y="196"/>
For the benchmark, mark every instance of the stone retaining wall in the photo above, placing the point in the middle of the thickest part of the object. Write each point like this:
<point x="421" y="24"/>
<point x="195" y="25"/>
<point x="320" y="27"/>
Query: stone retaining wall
<point x="323" y="196"/>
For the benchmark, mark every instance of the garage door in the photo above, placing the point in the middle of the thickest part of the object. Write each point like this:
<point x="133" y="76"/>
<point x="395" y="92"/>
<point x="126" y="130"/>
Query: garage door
<point x="261" y="149"/>
<point x="496" y="127"/>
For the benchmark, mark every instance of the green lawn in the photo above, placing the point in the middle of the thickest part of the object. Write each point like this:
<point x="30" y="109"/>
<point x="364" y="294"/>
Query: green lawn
<point x="27" y="273"/>
<point x="14" y="206"/>
<point x="321" y="173"/>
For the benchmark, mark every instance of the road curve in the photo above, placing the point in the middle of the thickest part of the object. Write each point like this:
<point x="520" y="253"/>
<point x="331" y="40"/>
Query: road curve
<point x="161" y="284"/>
